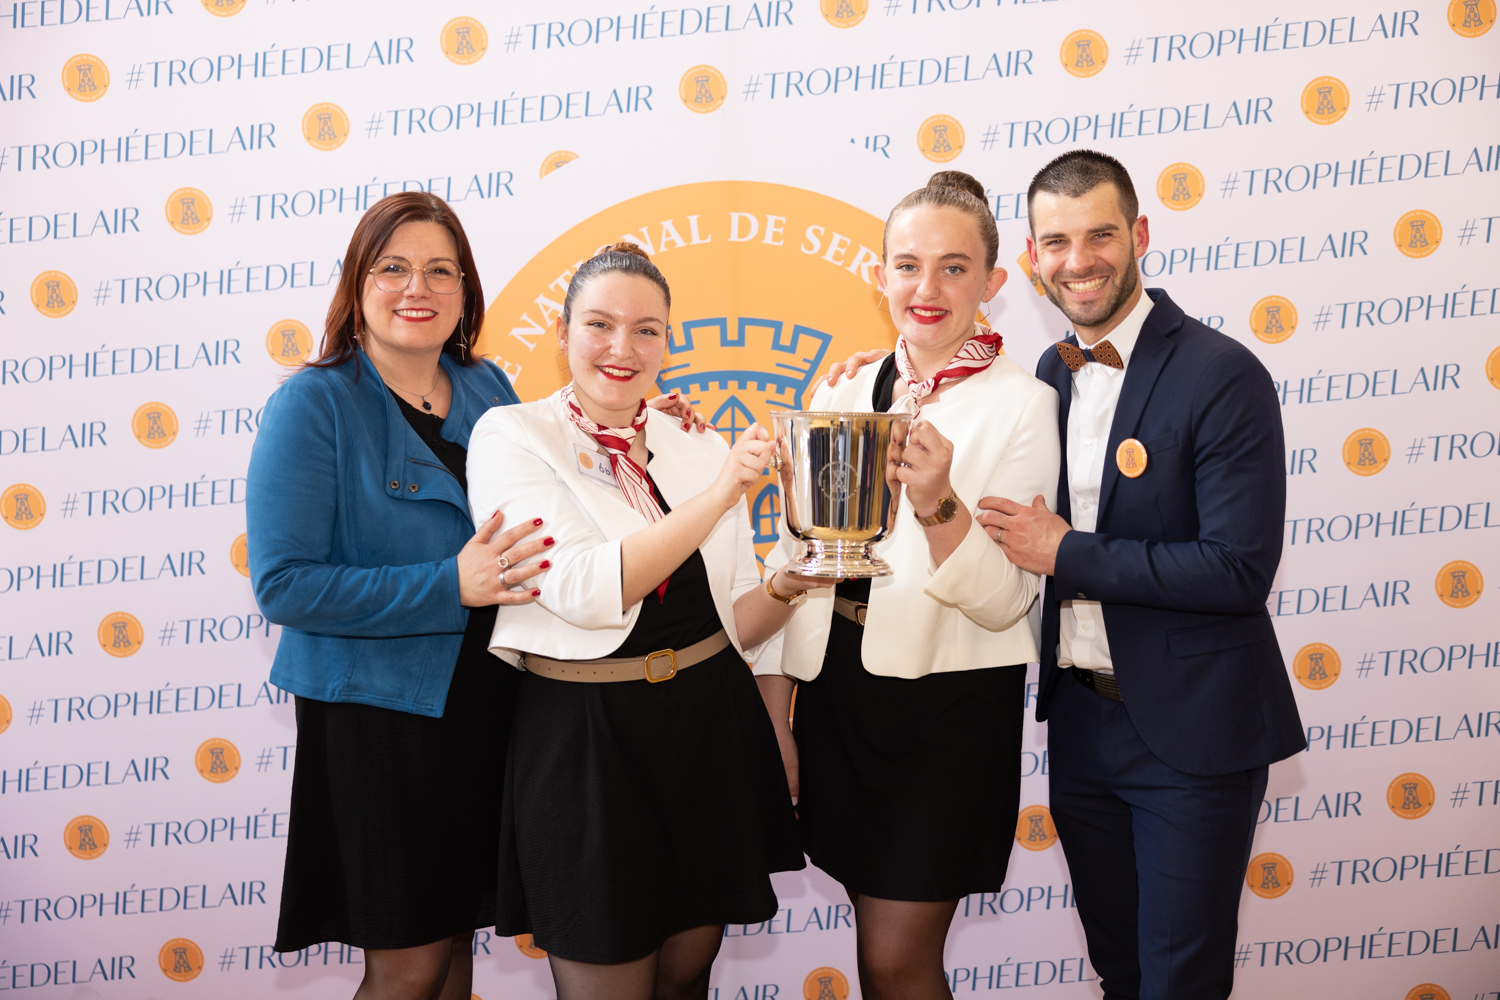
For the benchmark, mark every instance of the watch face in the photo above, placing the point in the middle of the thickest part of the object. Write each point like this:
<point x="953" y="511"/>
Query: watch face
<point x="947" y="508"/>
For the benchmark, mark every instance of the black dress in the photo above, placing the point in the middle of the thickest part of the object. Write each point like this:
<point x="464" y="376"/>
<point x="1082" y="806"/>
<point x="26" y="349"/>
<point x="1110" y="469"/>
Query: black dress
<point x="395" y="816"/>
<point x="910" y="788"/>
<point x="636" y="810"/>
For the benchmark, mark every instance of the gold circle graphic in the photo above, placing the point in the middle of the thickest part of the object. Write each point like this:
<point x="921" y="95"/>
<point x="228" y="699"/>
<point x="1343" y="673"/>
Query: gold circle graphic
<point x="54" y="294"/>
<point x="154" y="425"/>
<point x="1459" y="584"/>
<point x="554" y="160"/>
<point x="325" y="126"/>
<point x="189" y="211"/>
<point x="1492" y="368"/>
<point x="525" y="946"/>
<point x="1470" y="19"/>
<point x="217" y="760"/>
<point x="5" y="714"/>
<point x="120" y="634"/>
<point x="703" y="89"/>
<point x="1131" y="458"/>
<point x="289" y="342"/>
<point x="22" y="506"/>
<point x="1269" y="875"/>
<point x="1273" y="319"/>
<point x="1084" y="53"/>
<point x="1316" y="666"/>
<point x="1366" y="452"/>
<point x="85" y="77"/>
<point x="224" y="8"/>
<point x="464" y="41"/>
<point x="843" y="13"/>
<point x="1325" y="100"/>
<point x="1034" y="829"/>
<point x="940" y="138"/>
<point x="1410" y="795"/>
<point x="822" y="981"/>
<point x="1427" y="991"/>
<point x="1180" y="186"/>
<point x="239" y="554"/>
<point x="1418" y="233"/>
<point x="180" y="960"/>
<point x="86" y="837"/>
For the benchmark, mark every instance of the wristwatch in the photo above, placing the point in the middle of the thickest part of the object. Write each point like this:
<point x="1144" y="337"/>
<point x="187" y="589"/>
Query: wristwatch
<point x="794" y="601"/>
<point x="947" y="510"/>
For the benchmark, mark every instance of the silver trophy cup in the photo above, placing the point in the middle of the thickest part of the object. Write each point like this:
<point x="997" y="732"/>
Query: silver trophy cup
<point x="834" y="490"/>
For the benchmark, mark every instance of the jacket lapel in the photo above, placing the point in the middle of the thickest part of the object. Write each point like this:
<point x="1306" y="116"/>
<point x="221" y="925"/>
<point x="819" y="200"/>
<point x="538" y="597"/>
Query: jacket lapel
<point x="1052" y="371"/>
<point x="406" y="453"/>
<point x="1152" y="349"/>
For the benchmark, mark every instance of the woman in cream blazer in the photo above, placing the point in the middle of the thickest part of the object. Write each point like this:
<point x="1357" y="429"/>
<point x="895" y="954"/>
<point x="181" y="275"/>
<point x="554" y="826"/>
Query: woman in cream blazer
<point x="910" y="687"/>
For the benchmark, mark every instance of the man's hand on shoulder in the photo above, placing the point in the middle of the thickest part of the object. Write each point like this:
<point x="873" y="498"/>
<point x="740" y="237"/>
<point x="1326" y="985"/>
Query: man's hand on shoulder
<point x="1029" y="536"/>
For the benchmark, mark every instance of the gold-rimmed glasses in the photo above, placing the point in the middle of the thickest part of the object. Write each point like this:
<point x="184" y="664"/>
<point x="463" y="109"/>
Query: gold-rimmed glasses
<point x="393" y="274"/>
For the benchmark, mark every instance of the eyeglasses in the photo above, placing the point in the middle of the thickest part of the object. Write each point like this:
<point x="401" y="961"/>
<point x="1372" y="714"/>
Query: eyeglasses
<point x="393" y="274"/>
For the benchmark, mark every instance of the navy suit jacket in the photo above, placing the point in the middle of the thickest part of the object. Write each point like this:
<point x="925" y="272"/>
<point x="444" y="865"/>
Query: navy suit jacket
<point x="1182" y="557"/>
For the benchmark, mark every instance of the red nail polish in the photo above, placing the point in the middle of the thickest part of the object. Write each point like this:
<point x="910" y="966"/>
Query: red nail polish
<point x="549" y="540"/>
<point x="536" y="593"/>
<point x="537" y="523"/>
<point x="546" y="564"/>
<point x="673" y="396"/>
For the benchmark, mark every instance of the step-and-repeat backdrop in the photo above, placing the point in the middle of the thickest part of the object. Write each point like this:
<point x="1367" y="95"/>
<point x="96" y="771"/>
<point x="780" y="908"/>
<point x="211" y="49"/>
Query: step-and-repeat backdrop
<point x="178" y="182"/>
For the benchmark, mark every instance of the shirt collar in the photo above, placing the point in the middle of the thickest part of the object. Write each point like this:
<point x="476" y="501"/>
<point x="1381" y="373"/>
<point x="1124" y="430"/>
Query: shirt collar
<point x="1124" y="336"/>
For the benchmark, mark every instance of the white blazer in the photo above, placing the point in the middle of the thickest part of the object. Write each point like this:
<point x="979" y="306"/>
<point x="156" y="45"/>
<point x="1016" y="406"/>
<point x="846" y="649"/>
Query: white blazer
<point x="971" y="612"/>
<point x="524" y="460"/>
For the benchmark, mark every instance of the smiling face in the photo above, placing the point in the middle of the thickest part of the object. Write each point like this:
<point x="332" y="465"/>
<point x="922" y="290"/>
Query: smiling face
<point x="935" y="277"/>
<point x="415" y="320"/>
<point x="615" y="342"/>
<point x="1084" y="251"/>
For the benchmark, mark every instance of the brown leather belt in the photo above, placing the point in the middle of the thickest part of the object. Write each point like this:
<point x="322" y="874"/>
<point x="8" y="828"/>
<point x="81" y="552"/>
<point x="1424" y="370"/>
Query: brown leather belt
<point x="1104" y="685"/>
<point x="656" y="667"/>
<point x="852" y="610"/>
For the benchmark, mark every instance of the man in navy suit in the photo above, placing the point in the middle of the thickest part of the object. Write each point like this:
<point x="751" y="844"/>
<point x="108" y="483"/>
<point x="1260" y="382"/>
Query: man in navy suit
<point x="1161" y="679"/>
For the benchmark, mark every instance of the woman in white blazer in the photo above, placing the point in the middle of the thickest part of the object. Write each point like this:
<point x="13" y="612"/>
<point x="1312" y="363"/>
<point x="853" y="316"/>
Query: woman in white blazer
<point x="645" y="801"/>
<point x="910" y="693"/>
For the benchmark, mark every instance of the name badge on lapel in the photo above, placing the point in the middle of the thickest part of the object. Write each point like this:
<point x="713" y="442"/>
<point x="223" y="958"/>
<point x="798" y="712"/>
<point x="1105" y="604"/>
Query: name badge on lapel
<point x="595" y="465"/>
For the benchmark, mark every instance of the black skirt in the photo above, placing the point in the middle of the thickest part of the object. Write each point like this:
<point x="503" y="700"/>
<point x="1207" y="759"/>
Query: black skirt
<point x="910" y="788"/>
<point x="636" y="810"/>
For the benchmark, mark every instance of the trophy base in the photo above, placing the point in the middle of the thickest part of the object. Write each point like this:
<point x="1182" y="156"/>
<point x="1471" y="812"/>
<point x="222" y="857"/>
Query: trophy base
<point x="838" y="560"/>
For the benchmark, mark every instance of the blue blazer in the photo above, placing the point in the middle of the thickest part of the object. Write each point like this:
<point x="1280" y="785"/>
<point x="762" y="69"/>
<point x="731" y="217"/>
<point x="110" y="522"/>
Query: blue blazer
<point x="1183" y="556"/>
<point x="354" y="531"/>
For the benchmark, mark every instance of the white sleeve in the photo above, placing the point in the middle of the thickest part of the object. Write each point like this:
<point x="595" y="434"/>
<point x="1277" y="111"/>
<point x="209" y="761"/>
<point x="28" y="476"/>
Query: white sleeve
<point x="978" y="578"/>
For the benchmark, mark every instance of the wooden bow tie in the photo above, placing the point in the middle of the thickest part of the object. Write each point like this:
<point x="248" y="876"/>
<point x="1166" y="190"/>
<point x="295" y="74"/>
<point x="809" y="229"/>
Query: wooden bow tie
<point x="1105" y="354"/>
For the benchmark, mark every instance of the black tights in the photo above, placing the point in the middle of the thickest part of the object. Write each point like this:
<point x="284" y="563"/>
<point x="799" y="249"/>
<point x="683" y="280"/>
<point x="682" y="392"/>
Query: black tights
<point x="678" y="970"/>
<point x="442" y="970"/>
<point x="900" y="948"/>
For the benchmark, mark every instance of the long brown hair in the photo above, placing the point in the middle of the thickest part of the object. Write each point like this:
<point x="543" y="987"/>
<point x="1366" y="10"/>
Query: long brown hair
<point x="346" y="320"/>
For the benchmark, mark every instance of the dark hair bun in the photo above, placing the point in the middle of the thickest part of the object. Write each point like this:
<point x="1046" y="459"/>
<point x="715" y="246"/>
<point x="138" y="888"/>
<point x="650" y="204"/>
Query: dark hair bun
<point x="625" y="246"/>
<point x="957" y="179"/>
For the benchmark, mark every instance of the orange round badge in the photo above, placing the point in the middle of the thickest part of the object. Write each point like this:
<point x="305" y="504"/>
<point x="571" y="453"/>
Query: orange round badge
<point x="180" y="960"/>
<point x="825" y="982"/>
<point x="1269" y="875"/>
<point x="526" y="947"/>
<point x="86" y="837"/>
<point x="1131" y="458"/>
<point x="1034" y="829"/>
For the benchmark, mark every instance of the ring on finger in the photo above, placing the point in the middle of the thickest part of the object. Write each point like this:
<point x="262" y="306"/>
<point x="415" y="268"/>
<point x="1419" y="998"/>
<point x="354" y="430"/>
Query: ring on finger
<point x="503" y="562"/>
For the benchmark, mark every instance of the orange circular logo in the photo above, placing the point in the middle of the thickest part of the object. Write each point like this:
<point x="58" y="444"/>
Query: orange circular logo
<point x="825" y="982"/>
<point x="120" y="634"/>
<point x="189" y="211"/>
<point x="1470" y="18"/>
<point x="1316" y="666"/>
<point x="1034" y="829"/>
<point x="1432" y="991"/>
<point x="1273" y="319"/>
<point x="524" y="946"/>
<point x="22" y="506"/>
<point x="1418" y="233"/>
<point x="154" y="425"/>
<point x="325" y="126"/>
<point x="940" y="138"/>
<point x="54" y="294"/>
<point x="1492" y="368"/>
<point x="703" y="89"/>
<point x="86" y="837"/>
<point x="239" y="554"/>
<point x="843" y="13"/>
<point x="289" y="342"/>
<point x="180" y="960"/>
<point x="1325" y="100"/>
<point x="555" y="160"/>
<point x="85" y="77"/>
<point x="464" y="41"/>
<point x="217" y="760"/>
<point x="1366" y="452"/>
<point x="5" y="714"/>
<point x="1180" y="186"/>
<point x="1269" y="876"/>
<point x="224" y="8"/>
<point x="1410" y="795"/>
<point x="1131" y="458"/>
<point x="1459" y="584"/>
<point x="1084" y="53"/>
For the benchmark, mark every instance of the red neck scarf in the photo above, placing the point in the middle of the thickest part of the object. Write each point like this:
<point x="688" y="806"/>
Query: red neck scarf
<point x="976" y="354"/>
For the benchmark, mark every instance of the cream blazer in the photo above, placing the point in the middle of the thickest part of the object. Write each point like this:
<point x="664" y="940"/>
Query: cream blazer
<point x="971" y="612"/>
<point x="524" y="460"/>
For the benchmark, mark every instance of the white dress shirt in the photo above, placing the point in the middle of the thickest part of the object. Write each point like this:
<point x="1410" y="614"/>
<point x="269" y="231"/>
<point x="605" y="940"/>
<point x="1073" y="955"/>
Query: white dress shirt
<point x="1082" y="641"/>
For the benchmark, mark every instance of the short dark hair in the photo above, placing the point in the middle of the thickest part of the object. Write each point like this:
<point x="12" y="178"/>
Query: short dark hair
<point x="1077" y="172"/>
<point x="625" y="257"/>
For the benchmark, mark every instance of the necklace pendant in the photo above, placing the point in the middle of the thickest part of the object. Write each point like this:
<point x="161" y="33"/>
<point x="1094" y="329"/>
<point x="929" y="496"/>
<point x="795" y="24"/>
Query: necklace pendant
<point x="426" y="406"/>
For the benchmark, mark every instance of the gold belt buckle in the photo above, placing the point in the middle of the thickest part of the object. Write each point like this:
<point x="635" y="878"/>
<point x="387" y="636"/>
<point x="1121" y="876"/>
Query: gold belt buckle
<point x="859" y="612"/>
<point x="670" y="654"/>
